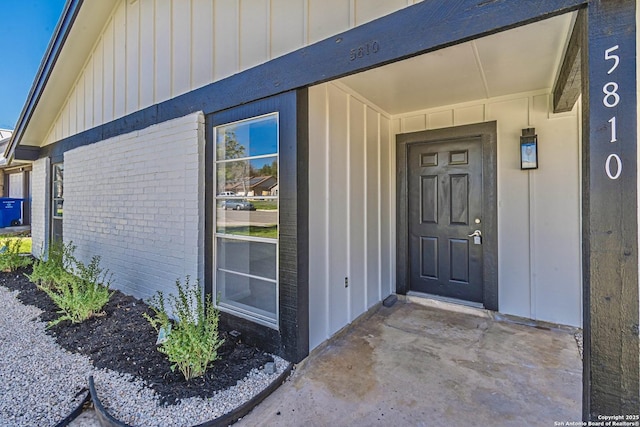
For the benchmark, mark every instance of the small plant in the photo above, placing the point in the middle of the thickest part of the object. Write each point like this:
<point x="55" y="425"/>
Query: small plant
<point x="10" y="257"/>
<point x="191" y="341"/>
<point x="54" y="268"/>
<point x="81" y="296"/>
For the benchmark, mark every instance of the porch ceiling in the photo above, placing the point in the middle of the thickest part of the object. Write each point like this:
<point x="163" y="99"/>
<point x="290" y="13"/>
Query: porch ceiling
<point x="519" y="60"/>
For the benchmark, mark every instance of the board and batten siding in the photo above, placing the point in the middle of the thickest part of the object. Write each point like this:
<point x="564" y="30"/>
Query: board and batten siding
<point x="143" y="216"/>
<point x="349" y="209"/>
<point x="539" y="258"/>
<point x="153" y="50"/>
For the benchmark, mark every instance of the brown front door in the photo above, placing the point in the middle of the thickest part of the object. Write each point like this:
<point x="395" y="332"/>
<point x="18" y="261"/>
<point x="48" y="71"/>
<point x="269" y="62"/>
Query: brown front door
<point x="445" y="208"/>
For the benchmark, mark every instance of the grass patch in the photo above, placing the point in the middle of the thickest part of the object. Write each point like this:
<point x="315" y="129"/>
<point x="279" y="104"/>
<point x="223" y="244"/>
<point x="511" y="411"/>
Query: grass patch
<point x="266" y="205"/>
<point x="25" y="243"/>
<point x="270" y="232"/>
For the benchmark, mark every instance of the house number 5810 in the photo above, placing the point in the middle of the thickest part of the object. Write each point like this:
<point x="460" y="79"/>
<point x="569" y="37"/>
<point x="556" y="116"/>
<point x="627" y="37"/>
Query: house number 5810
<point x="613" y="164"/>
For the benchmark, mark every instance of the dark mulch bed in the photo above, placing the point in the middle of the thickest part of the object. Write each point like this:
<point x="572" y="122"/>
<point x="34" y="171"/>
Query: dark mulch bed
<point x="123" y="341"/>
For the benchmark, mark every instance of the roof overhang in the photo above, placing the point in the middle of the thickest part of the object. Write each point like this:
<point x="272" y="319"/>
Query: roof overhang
<point x="73" y="39"/>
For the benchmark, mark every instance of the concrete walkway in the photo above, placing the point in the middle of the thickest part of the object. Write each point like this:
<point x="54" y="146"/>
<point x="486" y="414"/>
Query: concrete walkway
<point x="411" y="365"/>
<point x="13" y="230"/>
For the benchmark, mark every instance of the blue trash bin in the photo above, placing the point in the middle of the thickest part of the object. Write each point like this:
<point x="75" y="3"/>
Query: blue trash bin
<point x="10" y="211"/>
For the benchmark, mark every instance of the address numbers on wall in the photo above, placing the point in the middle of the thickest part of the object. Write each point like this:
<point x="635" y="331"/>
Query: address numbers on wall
<point x="611" y="99"/>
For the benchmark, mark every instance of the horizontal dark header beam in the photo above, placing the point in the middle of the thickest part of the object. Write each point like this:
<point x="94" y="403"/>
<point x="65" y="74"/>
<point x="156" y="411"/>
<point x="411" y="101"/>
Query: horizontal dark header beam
<point x="26" y="152"/>
<point x="424" y="27"/>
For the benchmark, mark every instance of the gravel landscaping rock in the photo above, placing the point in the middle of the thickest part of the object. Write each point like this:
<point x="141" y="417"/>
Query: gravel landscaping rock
<point x="131" y="402"/>
<point x="41" y="382"/>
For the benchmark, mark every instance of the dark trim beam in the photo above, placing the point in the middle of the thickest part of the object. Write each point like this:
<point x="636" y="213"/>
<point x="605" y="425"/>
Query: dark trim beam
<point x="569" y="84"/>
<point x="26" y="152"/>
<point x="611" y="376"/>
<point x="421" y="28"/>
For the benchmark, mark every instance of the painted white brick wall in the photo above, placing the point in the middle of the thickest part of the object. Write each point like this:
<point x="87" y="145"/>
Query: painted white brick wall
<point x="137" y="201"/>
<point x="39" y="207"/>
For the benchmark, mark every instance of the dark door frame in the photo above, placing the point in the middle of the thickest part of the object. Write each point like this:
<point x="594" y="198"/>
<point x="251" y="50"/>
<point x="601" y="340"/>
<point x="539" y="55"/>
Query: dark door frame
<point x="485" y="133"/>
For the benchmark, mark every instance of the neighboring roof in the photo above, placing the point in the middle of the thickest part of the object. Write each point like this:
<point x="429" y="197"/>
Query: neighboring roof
<point x="5" y="134"/>
<point x="254" y="182"/>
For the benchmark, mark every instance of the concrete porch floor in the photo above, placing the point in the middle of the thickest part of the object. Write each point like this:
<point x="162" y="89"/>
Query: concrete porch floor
<point x="425" y="366"/>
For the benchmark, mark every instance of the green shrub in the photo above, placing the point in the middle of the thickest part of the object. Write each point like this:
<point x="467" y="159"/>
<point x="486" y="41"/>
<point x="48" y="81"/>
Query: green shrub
<point x="10" y="257"/>
<point x="192" y="340"/>
<point x="54" y="268"/>
<point x="81" y="296"/>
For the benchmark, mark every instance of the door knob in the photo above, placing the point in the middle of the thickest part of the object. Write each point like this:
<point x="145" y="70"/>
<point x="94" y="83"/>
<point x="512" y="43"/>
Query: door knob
<point x="476" y="233"/>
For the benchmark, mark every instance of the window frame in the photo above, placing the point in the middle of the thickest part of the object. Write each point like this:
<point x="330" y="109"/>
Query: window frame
<point x="53" y="217"/>
<point x="248" y="314"/>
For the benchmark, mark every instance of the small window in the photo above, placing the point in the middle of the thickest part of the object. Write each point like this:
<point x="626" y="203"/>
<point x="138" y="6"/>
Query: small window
<point x="57" y="200"/>
<point x="246" y="221"/>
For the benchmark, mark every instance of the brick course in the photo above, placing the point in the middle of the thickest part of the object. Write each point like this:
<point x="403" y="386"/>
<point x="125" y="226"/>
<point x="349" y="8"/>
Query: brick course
<point x="137" y="201"/>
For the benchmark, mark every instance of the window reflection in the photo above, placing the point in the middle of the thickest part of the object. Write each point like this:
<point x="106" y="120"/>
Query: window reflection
<point x="254" y="177"/>
<point x="246" y="208"/>
<point x="254" y="137"/>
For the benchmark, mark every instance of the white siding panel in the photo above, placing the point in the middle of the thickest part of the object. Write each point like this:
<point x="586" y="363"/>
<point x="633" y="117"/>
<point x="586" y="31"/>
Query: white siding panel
<point x="133" y="56"/>
<point x="254" y="32"/>
<point x="357" y="209"/>
<point x="414" y="123"/>
<point x="73" y="114"/>
<point x="346" y="222"/>
<point x="162" y="49"/>
<point x="368" y="10"/>
<point x="226" y="39"/>
<point x="88" y="96"/>
<point x="120" y="61"/>
<point x="80" y="107"/>
<point x="555" y="207"/>
<point x="98" y="69"/>
<point x="318" y="202"/>
<point x="513" y="208"/>
<point x="338" y="227"/>
<point x="147" y="52"/>
<point x="287" y="26"/>
<point x="328" y="17"/>
<point x="107" y="93"/>
<point x="64" y="122"/>
<point x="372" y="208"/>
<point x="202" y="30"/>
<point x="441" y="119"/>
<point x="181" y="47"/>
<point x="468" y="115"/>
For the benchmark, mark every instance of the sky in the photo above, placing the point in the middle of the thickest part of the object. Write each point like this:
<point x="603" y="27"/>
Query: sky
<point x="26" y="26"/>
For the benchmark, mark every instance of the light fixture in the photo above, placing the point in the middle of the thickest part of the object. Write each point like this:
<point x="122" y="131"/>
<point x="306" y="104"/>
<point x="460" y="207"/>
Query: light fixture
<point x="529" y="149"/>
